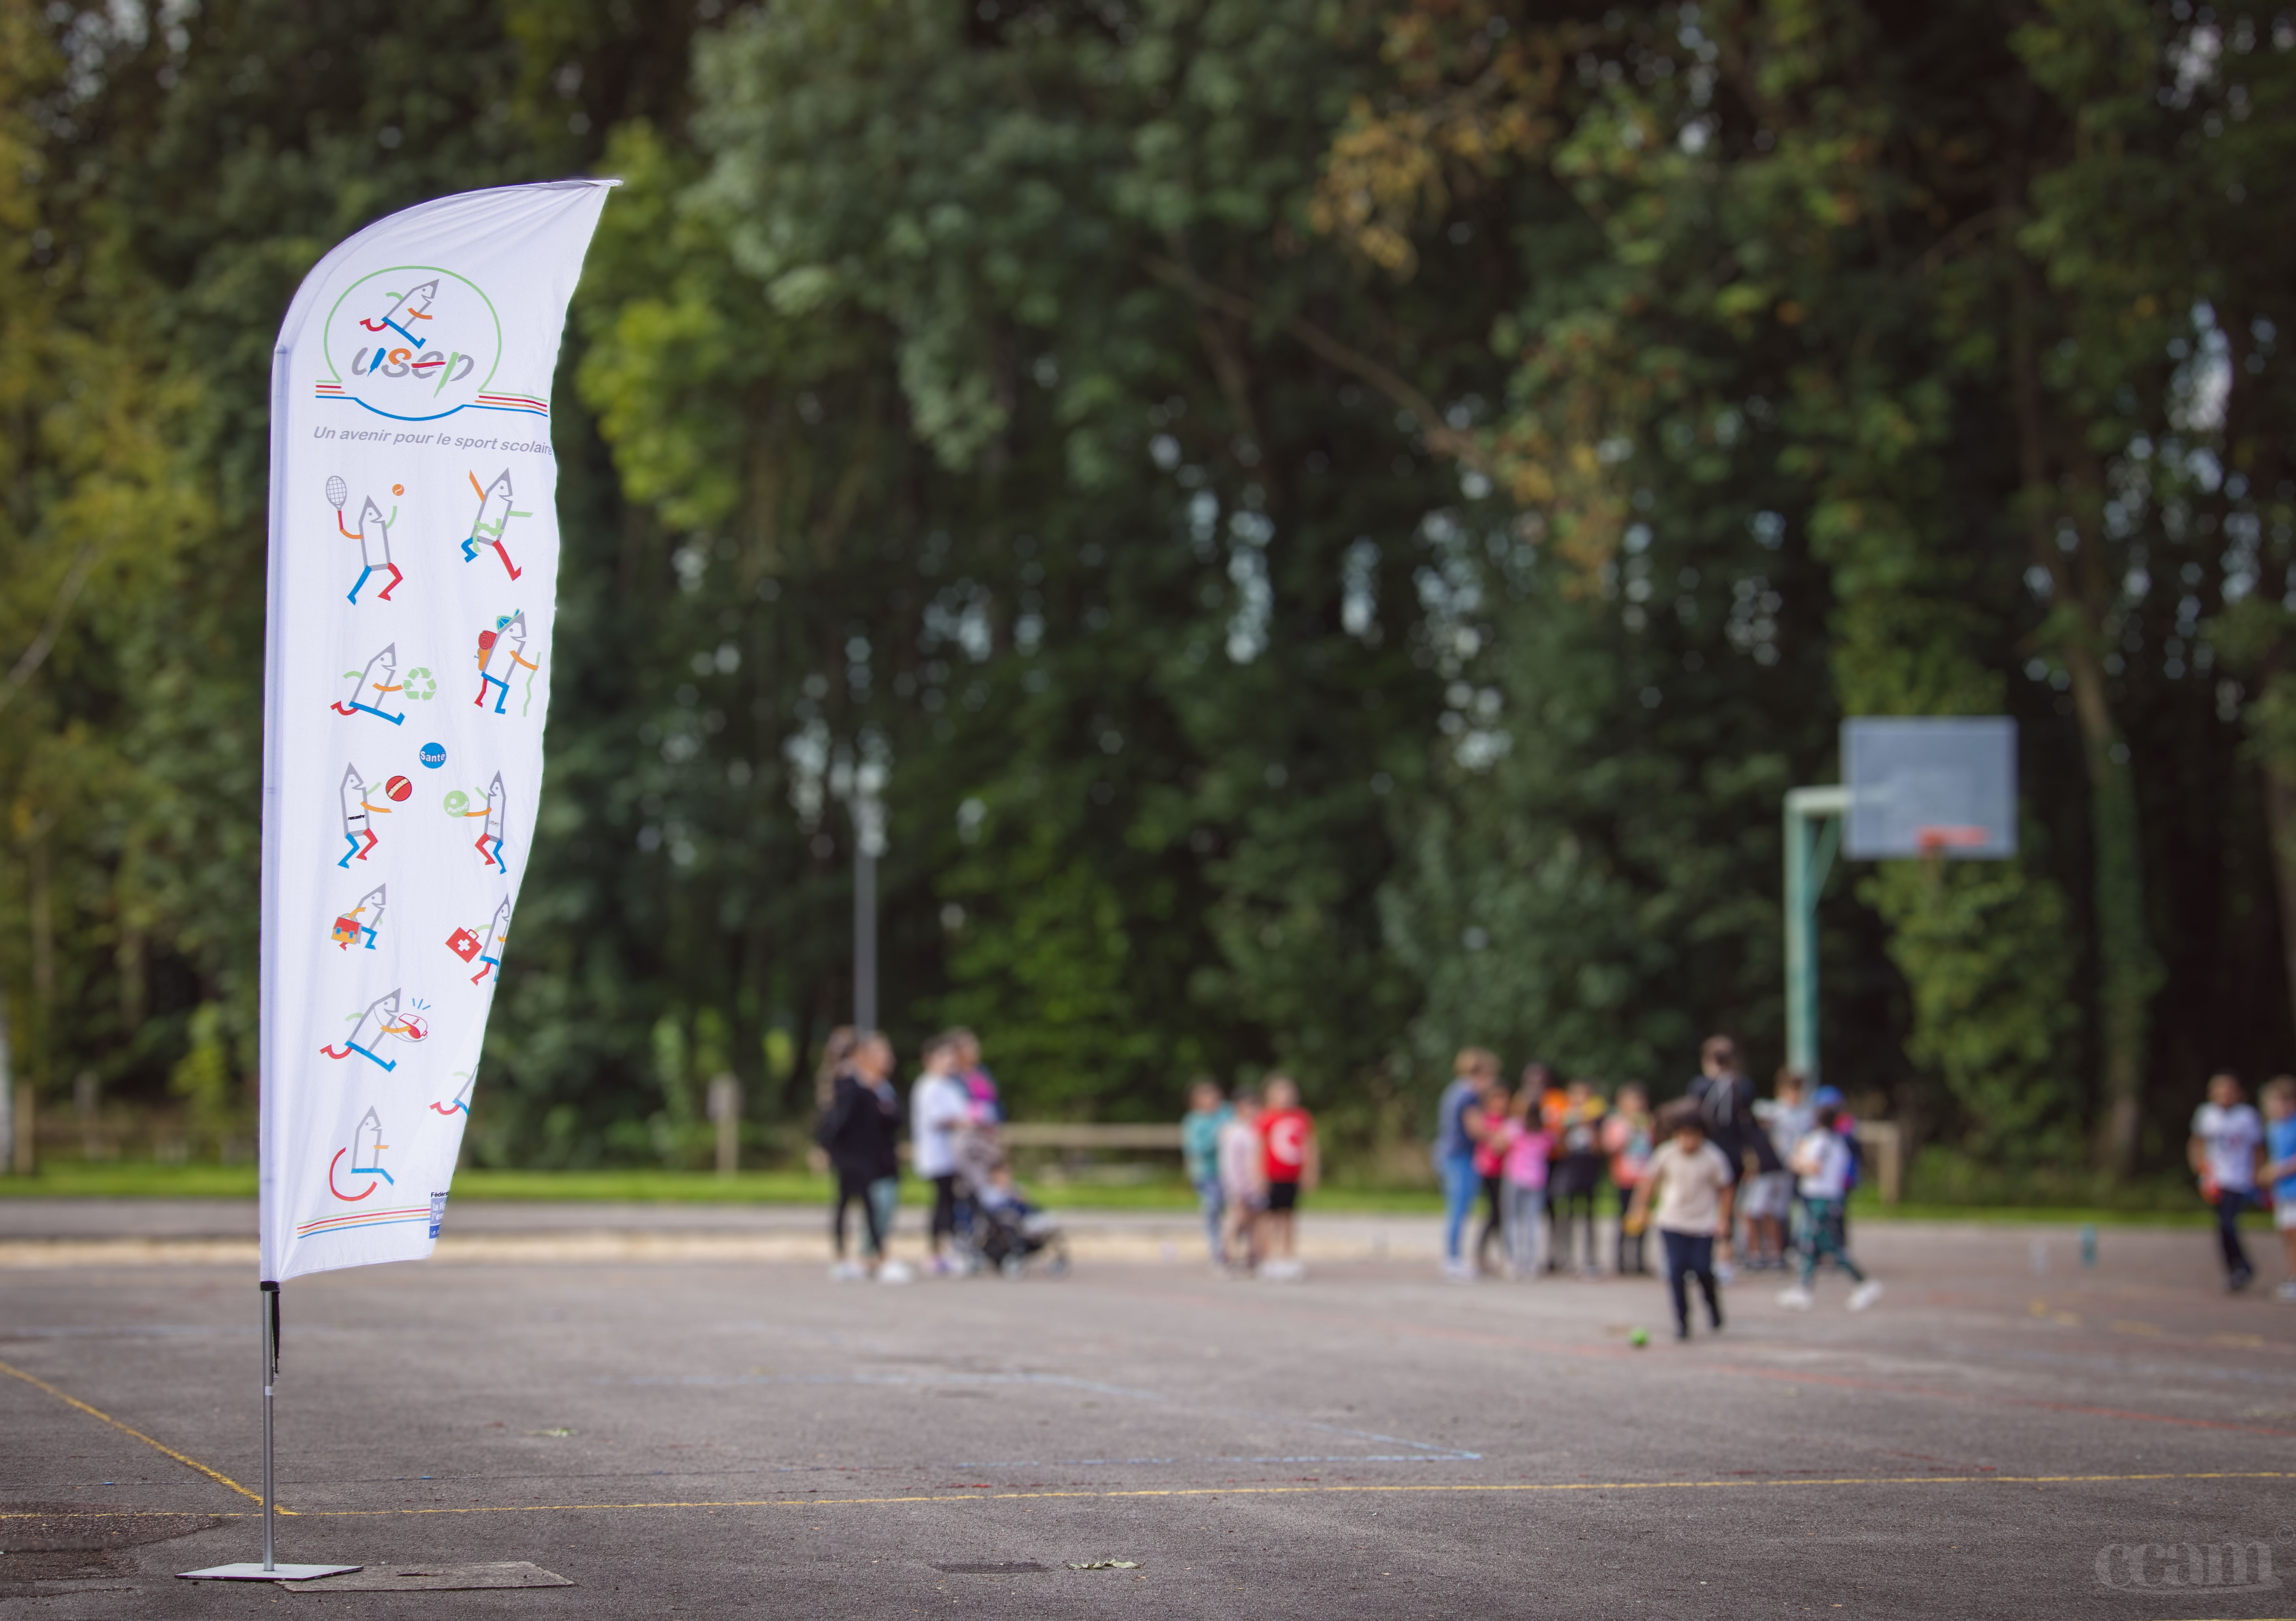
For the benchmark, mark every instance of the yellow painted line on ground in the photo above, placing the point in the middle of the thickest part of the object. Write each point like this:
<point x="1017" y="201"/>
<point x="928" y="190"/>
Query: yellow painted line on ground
<point x="2122" y="1325"/>
<point x="73" y="1401"/>
<point x="1421" y="1488"/>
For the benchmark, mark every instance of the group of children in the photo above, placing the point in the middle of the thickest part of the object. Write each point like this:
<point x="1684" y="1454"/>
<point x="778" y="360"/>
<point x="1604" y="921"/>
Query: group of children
<point x="1250" y="1159"/>
<point x="1539" y="1156"/>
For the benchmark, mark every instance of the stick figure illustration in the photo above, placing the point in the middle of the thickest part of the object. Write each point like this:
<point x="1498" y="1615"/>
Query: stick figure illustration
<point x="377" y="678"/>
<point x="460" y="1103"/>
<point x="495" y="513"/>
<point x="374" y="536"/>
<point x="406" y="310"/>
<point x="490" y="951"/>
<point x="497" y="804"/>
<point x="366" y="1155"/>
<point x="357" y="810"/>
<point x="364" y="919"/>
<point x="502" y="649"/>
<point x="380" y="1018"/>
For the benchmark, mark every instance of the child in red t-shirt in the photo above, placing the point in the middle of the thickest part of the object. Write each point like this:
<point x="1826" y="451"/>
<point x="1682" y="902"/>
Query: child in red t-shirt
<point x="1287" y="1136"/>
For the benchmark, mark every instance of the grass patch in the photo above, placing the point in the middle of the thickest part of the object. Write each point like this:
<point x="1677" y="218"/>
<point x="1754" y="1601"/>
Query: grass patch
<point x="72" y="1179"/>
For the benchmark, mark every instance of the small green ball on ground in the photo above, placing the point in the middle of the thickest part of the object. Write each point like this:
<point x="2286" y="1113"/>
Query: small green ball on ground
<point x="1638" y="1338"/>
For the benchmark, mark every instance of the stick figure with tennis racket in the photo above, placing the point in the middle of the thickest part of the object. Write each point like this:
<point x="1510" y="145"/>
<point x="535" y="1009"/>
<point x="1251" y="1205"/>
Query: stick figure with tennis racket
<point x="374" y="536"/>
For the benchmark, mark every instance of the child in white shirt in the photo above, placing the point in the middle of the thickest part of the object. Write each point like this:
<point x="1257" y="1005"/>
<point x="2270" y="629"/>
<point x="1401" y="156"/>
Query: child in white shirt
<point x="1690" y="1183"/>
<point x="1821" y="1159"/>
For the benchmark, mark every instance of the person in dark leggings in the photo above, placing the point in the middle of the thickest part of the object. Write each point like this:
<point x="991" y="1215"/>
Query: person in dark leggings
<point x="1489" y="1166"/>
<point x="859" y="1134"/>
<point x="1577" y="1174"/>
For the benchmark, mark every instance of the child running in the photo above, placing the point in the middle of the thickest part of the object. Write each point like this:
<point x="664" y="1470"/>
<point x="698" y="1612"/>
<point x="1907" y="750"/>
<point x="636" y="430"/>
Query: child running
<point x="1821" y="1159"/>
<point x="1292" y="1164"/>
<point x="2280" y="1174"/>
<point x="1689" y="1186"/>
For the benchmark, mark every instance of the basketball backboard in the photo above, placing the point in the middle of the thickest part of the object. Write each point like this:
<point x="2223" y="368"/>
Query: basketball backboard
<point x="1944" y="785"/>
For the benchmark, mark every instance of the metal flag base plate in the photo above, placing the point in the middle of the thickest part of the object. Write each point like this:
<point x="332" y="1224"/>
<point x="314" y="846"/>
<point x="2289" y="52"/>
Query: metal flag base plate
<point x="253" y="1572"/>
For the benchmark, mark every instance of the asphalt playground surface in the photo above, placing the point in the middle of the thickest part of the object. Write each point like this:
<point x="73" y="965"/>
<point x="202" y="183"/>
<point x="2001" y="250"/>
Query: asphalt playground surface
<point x="683" y="1416"/>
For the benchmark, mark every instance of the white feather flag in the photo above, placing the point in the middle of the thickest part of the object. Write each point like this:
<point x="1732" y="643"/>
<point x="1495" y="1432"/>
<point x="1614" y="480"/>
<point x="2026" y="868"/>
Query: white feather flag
<point x="413" y="579"/>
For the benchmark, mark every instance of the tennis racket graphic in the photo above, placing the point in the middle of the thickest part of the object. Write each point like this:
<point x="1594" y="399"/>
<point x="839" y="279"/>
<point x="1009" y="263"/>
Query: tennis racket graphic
<point x="338" y="492"/>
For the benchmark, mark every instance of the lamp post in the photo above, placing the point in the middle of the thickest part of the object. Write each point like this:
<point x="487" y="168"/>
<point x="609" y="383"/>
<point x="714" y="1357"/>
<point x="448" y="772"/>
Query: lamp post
<point x="862" y="787"/>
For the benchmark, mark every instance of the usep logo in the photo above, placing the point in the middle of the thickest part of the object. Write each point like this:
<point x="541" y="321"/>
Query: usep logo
<point x="433" y="754"/>
<point x="413" y="343"/>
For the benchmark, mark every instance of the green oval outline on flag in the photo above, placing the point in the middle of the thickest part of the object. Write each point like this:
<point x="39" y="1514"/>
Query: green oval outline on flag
<point x="391" y="358"/>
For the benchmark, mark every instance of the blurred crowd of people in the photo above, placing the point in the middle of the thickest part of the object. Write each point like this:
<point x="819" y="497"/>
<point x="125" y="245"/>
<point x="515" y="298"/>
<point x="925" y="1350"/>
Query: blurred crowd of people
<point x="1539" y="1159"/>
<point x="1728" y="1180"/>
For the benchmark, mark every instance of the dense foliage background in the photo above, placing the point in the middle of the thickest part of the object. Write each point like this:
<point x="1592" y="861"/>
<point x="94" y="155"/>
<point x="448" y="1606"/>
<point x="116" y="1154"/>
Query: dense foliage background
<point x="1340" y="518"/>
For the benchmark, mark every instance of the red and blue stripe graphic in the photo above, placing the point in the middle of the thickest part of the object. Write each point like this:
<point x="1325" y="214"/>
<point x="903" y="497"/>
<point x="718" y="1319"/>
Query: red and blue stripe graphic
<point x="366" y="1218"/>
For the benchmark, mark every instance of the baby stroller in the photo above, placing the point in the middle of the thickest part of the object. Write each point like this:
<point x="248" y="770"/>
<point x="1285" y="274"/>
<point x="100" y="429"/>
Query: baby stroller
<point x="996" y="1226"/>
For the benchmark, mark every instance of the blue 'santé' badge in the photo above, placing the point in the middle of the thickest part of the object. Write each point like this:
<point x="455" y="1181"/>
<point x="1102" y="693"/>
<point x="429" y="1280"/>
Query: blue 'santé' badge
<point x="433" y="754"/>
<point x="438" y="1212"/>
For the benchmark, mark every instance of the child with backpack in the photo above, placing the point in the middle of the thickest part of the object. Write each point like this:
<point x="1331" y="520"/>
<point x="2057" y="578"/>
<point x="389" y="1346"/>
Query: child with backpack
<point x="1821" y="1161"/>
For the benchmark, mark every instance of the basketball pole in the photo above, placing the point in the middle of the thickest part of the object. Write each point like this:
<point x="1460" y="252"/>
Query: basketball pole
<point x="1813" y="833"/>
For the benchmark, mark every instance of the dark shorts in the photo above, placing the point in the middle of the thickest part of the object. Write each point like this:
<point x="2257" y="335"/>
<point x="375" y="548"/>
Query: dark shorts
<point x="1284" y="1195"/>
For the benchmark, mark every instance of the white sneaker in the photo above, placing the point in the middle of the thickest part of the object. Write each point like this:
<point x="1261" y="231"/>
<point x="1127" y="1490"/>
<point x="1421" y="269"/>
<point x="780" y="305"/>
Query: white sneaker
<point x="1283" y="1271"/>
<point x="1795" y="1298"/>
<point x="847" y="1271"/>
<point x="1724" y="1274"/>
<point x="1458" y="1272"/>
<point x="896" y="1271"/>
<point x="2287" y="1291"/>
<point x="1864" y="1294"/>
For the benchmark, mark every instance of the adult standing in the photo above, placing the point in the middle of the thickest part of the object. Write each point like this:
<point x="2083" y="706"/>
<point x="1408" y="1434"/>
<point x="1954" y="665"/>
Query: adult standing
<point x="2225" y="1149"/>
<point x="1458" y="1123"/>
<point x="1726" y="1104"/>
<point x="859" y="1135"/>
<point x="939" y="1108"/>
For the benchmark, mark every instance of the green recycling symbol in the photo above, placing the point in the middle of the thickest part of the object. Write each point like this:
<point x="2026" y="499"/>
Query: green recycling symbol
<point x="420" y="684"/>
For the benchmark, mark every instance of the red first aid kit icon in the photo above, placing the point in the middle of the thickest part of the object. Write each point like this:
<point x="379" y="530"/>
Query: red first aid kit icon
<point x="463" y="943"/>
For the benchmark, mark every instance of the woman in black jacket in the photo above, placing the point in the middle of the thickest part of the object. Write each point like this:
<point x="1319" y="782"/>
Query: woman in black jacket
<point x="858" y="1133"/>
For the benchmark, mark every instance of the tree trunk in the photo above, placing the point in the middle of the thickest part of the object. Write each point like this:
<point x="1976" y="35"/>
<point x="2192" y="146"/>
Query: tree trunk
<point x="2280" y="830"/>
<point x="2127" y="974"/>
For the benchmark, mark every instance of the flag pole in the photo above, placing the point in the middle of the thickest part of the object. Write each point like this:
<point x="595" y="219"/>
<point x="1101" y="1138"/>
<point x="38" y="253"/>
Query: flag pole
<point x="270" y="1302"/>
<point x="270" y="1569"/>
